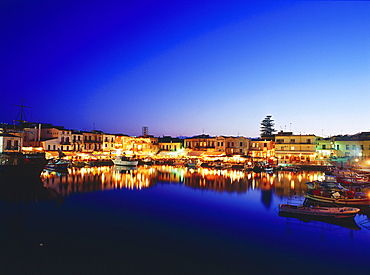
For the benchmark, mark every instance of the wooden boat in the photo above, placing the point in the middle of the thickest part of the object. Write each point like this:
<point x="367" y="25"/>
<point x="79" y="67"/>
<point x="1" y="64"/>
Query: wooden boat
<point x="336" y="198"/>
<point x="325" y="185"/>
<point x="330" y="212"/>
<point x="125" y="161"/>
<point x="57" y="164"/>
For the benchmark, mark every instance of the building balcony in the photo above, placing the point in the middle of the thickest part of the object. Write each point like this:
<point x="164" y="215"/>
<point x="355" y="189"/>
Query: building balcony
<point x="295" y="143"/>
<point x="65" y="143"/>
<point x="92" y="141"/>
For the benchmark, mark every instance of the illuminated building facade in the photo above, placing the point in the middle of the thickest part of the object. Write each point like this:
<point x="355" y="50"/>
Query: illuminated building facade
<point x="108" y="142"/>
<point x="77" y="141"/>
<point x="55" y="138"/>
<point x="350" y="146"/>
<point x="168" y="143"/>
<point x="325" y="148"/>
<point x="9" y="143"/>
<point x="262" y="149"/>
<point x="232" y="145"/>
<point x="92" y="141"/>
<point x="200" y="143"/>
<point x="136" y="145"/>
<point x="291" y="148"/>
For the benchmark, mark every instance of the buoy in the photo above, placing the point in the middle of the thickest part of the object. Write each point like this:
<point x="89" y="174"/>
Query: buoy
<point x="351" y="193"/>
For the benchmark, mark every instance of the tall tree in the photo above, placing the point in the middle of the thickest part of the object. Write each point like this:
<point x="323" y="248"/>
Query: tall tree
<point x="267" y="127"/>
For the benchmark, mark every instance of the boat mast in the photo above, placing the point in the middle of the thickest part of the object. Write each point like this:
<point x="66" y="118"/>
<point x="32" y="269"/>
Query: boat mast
<point x="21" y="121"/>
<point x="21" y="114"/>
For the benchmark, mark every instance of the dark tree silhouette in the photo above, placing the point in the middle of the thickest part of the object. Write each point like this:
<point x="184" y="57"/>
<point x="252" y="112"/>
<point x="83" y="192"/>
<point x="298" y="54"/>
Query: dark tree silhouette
<point x="267" y="127"/>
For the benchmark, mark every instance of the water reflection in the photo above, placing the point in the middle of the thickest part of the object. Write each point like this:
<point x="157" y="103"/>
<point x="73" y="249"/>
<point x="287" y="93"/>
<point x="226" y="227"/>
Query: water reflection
<point x="321" y="222"/>
<point x="282" y="184"/>
<point x="27" y="189"/>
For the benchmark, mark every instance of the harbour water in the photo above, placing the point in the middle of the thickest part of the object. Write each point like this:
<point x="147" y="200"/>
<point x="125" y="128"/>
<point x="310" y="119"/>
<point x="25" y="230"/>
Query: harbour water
<point x="172" y="220"/>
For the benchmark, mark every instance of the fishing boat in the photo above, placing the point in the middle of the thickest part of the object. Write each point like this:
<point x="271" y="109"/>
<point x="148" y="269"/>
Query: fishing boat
<point x="17" y="165"/>
<point x="325" y="185"/>
<point x="350" y="197"/>
<point x="329" y="212"/>
<point x="125" y="161"/>
<point x="56" y="164"/>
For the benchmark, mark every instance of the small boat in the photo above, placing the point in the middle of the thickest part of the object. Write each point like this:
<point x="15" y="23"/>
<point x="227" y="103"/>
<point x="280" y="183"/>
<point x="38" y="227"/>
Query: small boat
<point x="191" y="164"/>
<point x="268" y="169"/>
<point x="57" y="164"/>
<point x="290" y="168"/>
<point x="329" y="212"/>
<point x="325" y="185"/>
<point x="124" y="161"/>
<point x="350" y="197"/>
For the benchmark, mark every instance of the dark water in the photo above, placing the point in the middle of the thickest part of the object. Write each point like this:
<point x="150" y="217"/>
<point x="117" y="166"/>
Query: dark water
<point x="167" y="220"/>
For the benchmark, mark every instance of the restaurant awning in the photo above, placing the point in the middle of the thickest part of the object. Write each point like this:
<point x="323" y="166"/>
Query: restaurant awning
<point x="213" y="154"/>
<point x="195" y="153"/>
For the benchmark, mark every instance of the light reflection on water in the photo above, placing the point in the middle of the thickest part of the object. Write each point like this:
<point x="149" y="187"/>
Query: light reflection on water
<point x="174" y="220"/>
<point x="284" y="184"/>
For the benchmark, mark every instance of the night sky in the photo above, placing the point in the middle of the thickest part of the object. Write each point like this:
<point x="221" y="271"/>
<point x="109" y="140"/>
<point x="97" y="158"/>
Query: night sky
<point x="187" y="67"/>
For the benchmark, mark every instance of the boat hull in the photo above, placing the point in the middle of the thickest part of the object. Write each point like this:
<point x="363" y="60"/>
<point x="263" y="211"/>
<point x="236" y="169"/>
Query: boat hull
<point x="340" y="201"/>
<point x="125" y="162"/>
<point x="14" y="166"/>
<point x="327" y="212"/>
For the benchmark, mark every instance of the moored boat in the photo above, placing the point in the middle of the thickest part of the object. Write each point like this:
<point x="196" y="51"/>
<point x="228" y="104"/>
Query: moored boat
<point x="21" y="165"/>
<point x="57" y="164"/>
<point x="124" y="161"/>
<point x="329" y="212"/>
<point x="350" y="197"/>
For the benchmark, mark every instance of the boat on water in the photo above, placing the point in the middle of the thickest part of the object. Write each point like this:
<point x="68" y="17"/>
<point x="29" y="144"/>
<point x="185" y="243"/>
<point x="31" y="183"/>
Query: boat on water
<point x="325" y="185"/>
<point x="350" y="197"/>
<point x="329" y="212"/>
<point x="125" y="161"/>
<point x="191" y="164"/>
<point x="18" y="165"/>
<point x="290" y="168"/>
<point x="55" y="164"/>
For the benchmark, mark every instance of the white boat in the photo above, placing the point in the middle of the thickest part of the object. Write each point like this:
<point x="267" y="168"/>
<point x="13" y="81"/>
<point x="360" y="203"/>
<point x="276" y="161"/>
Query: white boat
<point x="125" y="161"/>
<point x="328" y="212"/>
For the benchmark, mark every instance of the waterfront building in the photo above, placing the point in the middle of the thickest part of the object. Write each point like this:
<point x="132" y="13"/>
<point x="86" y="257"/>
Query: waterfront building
<point x="108" y="142"/>
<point x="77" y="140"/>
<point x="200" y="143"/>
<point x="365" y="144"/>
<point x="232" y="145"/>
<point x="92" y="141"/>
<point x="49" y="137"/>
<point x="10" y="143"/>
<point x="167" y="143"/>
<point x="348" y="146"/>
<point x="262" y="149"/>
<point x="290" y="148"/>
<point x="128" y="145"/>
<point x="325" y="148"/>
<point x="144" y="146"/>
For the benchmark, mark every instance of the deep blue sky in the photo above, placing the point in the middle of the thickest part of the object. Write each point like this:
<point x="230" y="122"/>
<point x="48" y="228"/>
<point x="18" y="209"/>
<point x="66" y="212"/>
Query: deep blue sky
<point x="187" y="67"/>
